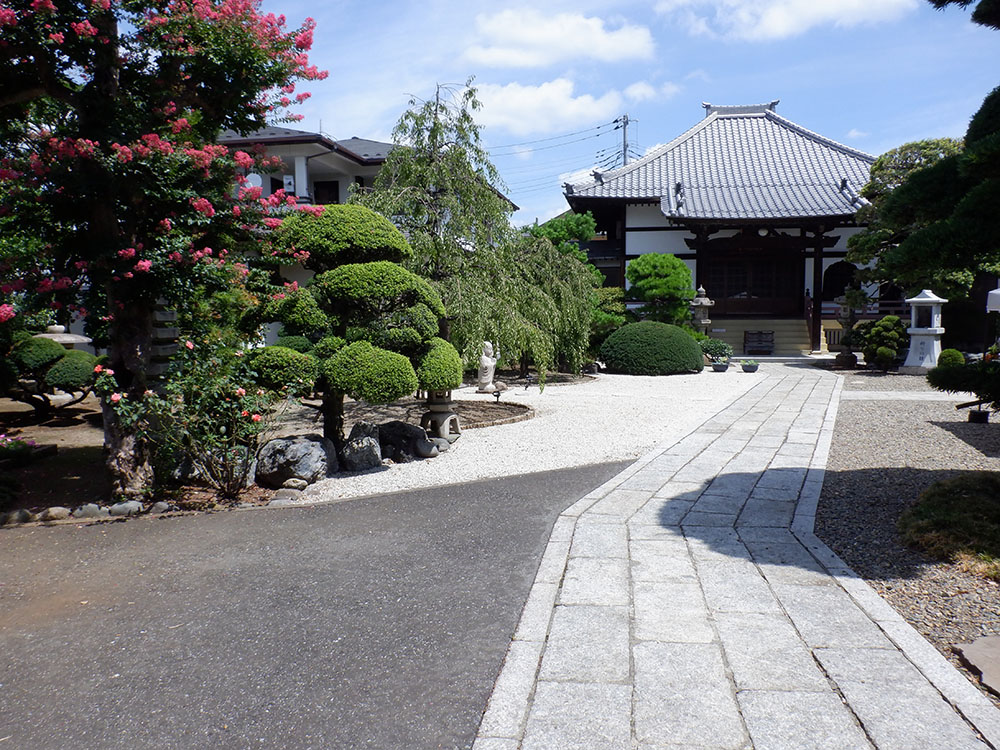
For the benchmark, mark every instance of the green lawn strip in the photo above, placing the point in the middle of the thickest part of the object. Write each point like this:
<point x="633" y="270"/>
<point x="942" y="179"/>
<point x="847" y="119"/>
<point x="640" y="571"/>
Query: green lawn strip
<point x="958" y="520"/>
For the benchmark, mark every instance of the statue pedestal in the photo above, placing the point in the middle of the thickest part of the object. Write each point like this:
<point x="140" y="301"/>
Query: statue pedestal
<point x="440" y="420"/>
<point x="925" y="348"/>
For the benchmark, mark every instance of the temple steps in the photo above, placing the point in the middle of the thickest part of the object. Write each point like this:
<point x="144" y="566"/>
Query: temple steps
<point x="791" y="335"/>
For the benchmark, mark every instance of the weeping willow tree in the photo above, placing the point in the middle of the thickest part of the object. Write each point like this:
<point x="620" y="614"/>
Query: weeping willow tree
<point x="442" y="191"/>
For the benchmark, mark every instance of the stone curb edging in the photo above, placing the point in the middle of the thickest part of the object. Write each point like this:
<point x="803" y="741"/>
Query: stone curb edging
<point x="528" y="413"/>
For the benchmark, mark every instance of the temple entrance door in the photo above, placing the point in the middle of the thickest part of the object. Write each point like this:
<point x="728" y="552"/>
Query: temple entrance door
<point x="755" y="282"/>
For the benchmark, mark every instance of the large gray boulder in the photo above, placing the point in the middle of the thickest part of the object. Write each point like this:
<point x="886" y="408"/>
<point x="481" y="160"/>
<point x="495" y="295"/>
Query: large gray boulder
<point x="362" y="450"/>
<point x="404" y="442"/>
<point x="306" y="457"/>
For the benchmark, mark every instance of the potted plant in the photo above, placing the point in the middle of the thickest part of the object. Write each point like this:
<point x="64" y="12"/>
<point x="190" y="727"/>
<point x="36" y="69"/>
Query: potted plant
<point x="718" y="353"/>
<point x="720" y="365"/>
<point x="750" y="365"/>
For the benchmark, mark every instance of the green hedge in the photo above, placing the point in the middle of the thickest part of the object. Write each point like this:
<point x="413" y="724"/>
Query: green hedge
<point x="342" y="234"/>
<point x="279" y="367"/>
<point x="651" y="348"/>
<point x="73" y="373"/>
<point x="441" y="367"/>
<point x="370" y="374"/>
<point x="33" y="355"/>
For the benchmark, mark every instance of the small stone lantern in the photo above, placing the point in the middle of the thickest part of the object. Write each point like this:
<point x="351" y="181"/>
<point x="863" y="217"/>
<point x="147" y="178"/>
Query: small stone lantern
<point x="699" y="311"/>
<point x="59" y="335"/>
<point x="925" y="332"/>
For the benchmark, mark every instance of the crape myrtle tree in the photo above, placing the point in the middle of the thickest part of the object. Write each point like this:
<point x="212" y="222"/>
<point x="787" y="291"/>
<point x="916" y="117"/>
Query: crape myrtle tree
<point x="113" y="193"/>
<point x="440" y="188"/>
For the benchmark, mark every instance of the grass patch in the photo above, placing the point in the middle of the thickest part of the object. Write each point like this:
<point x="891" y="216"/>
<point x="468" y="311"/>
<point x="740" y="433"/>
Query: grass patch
<point x="958" y="520"/>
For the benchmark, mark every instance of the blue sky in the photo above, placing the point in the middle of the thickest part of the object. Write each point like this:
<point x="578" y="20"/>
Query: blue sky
<point x="872" y="74"/>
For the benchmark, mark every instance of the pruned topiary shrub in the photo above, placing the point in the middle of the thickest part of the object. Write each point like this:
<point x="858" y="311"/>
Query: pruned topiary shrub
<point x="343" y="233"/>
<point x="73" y="373"/>
<point x="33" y="355"/>
<point x="279" y="367"/>
<point x="370" y="374"/>
<point x="716" y="349"/>
<point x="298" y="312"/>
<point x="651" y="348"/>
<point x="441" y="367"/>
<point x="327" y="346"/>
<point x="299" y="343"/>
<point x="951" y="358"/>
<point x="368" y="289"/>
<point x="888" y="333"/>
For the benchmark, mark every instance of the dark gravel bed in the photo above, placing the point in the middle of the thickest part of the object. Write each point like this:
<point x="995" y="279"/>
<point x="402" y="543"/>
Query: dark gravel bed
<point x="884" y="454"/>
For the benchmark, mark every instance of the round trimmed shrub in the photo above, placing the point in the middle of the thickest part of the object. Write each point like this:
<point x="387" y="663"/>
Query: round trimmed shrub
<point x="951" y="358"/>
<point x="651" y="348"/>
<point x="73" y="373"/>
<point x="299" y="343"/>
<point x="298" y="312"/>
<point x="366" y="288"/>
<point x="327" y="346"/>
<point x="367" y="373"/>
<point x="343" y="233"/>
<point x="279" y="367"/>
<point x="441" y="367"/>
<point x="716" y="349"/>
<point x="33" y="355"/>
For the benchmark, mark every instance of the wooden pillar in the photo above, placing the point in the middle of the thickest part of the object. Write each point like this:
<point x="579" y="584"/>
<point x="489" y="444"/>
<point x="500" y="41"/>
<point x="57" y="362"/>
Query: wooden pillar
<point x="817" y="290"/>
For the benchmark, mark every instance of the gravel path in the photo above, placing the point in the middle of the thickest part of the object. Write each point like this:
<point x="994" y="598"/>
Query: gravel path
<point x="884" y="454"/>
<point x="611" y="418"/>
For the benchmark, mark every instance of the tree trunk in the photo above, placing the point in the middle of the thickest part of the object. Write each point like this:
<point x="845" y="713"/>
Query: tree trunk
<point x="333" y="419"/>
<point x="129" y="458"/>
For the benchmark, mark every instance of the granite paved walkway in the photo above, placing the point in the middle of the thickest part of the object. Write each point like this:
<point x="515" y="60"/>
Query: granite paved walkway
<point x="686" y="603"/>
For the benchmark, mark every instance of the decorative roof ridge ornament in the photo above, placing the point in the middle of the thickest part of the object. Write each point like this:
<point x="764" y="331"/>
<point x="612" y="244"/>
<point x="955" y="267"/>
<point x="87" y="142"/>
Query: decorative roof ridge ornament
<point x="598" y="176"/>
<point x="852" y="195"/>
<point x="724" y="110"/>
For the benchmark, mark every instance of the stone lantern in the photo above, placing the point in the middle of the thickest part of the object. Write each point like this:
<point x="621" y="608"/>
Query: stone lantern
<point x="59" y="335"/>
<point x="925" y="332"/>
<point x="699" y="311"/>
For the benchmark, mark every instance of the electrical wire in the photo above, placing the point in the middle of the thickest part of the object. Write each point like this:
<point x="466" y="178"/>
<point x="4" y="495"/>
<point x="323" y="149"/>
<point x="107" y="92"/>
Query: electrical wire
<point x="553" y="138"/>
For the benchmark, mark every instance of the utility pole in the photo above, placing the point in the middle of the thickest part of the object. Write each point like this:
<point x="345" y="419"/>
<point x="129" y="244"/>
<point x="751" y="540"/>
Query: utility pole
<point x="624" y="121"/>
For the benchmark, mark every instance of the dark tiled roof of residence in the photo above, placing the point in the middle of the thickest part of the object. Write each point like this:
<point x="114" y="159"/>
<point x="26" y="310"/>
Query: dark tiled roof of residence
<point x="741" y="162"/>
<point x="359" y="149"/>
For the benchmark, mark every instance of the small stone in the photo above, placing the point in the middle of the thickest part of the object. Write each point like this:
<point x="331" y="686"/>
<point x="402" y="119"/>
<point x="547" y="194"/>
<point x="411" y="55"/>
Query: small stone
<point x="361" y="453"/>
<point x="283" y="498"/>
<point x="55" y="513"/>
<point x="18" y="516"/>
<point x="90" y="510"/>
<point x="127" y="508"/>
<point x="442" y="444"/>
<point x="161" y="507"/>
<point x="294" y="484"/>
<point x="983" y="656"/>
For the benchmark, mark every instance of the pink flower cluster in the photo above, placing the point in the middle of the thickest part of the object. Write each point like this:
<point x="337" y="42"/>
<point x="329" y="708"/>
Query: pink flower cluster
<point x="203" y="206"/>
<point x="83" y="28"/>
<point x="6" y="313"/>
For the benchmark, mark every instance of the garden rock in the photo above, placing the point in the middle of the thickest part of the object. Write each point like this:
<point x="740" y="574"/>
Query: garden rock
<point x="294" y="484"/>
<point x="18" y="516"/>
<point x="161" y="507"/>
<point x="127" y="508"/>
<point x="284" y="498"/>
<point x="442" y="444"/>
<point x="309" y="457"/>
<point x="55" y="513"/>
<point x="362" y="450"/>
<point x="90" y="510"/>
<point x="404" y="442"/>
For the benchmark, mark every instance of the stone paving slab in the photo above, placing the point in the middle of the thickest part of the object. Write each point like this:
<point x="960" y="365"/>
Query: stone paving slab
<point x="688" y="604"/>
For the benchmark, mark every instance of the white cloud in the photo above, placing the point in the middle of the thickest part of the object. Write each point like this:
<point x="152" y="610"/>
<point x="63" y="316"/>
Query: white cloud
<point x="639" y="91"/>
<point x="547" y="108"/>
<point x="669" y="90"/>
<point x="762" y="20"/>
<point x="526" y="38"/>
<point x="855" y="133"/>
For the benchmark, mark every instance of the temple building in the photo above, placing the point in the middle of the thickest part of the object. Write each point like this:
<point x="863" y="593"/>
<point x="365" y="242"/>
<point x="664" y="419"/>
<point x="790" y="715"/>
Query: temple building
<point x="758" y="207"/>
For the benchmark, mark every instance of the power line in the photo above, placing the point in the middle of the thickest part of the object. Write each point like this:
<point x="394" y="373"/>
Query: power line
<point x="546" y="148"/>
<point x="555" y="137"/>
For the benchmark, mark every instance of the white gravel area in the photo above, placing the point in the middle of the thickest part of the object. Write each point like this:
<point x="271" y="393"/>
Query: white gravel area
<point x="610" y="418"/>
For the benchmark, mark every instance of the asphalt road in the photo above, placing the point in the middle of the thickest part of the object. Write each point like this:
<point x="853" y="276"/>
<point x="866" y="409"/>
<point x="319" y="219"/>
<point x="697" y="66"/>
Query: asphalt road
<point x="375" y="623"/>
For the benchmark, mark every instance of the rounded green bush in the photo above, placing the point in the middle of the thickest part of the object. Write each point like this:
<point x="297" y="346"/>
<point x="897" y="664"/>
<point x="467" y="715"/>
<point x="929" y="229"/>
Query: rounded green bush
<point x="327" y="346"/>
<point x="370" y="374"/>
<point x="441" y="367"/>
<point x="716" y="349"/>
<point x="343" y="233"/>
<point x="33" y="355"/>
<point x="74" y="372"/>
<point x="298" y="343"/>
<point x="884" y="357"/>
<point x="951" y="358"/>
<point x="299" y="314"/>
<point x="369" y="288"/>
<point x="279" y="367"/>
<point x="651" y="348"/>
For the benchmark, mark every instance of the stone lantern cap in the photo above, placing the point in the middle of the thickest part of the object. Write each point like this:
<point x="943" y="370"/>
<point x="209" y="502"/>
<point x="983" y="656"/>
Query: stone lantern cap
<point x="59" y="335"/>
<point x="701" y="299"/>
<point x="993" y="301"/>
<point x="926" y="297"/>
